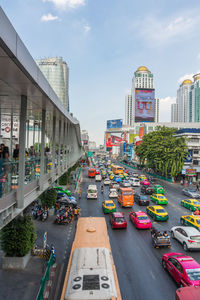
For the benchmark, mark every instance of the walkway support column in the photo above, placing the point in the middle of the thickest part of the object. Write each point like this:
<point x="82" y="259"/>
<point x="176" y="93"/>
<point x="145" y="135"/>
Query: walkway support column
<point x="22" y="144"/>
<point x="53" y="148"/>
<point x="59" y="146"/>
<point x="42" y="156"/>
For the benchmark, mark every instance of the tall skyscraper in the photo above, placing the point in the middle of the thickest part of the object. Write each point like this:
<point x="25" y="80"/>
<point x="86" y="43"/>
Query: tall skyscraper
<point x="128" y="110"/>
<point x="182" y="101"/>
<point x="174" y="112"/>
<point x="194" y="100"/>
<point x="56" y="72"/>
<point x="157" y="110"/>
<point x="143" y="96"/>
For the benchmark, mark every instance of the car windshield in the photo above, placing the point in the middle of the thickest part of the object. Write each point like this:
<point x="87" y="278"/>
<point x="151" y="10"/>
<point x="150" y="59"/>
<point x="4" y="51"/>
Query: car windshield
<point x="195" y="237"/>
<point x="143" y="198"/>
<point x="142" y="218"/>
<point x="161" y="197"/>
<point x="198" y="221"/>
<point x="119" y="219"/>
<point x="191" y="191"/>
<point x="109" y="204"/>
<point x="92" y="191"/>
<point x="196" y="202"/>
<point x="160" y="210"/>
<point x="193" y="274"/>
<point x="127" y="193"/>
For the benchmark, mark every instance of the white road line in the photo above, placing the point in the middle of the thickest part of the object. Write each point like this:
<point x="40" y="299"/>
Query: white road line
<point x="152" y="275"/>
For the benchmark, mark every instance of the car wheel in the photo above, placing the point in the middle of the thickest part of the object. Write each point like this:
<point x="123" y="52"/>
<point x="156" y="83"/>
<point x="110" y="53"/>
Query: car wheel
<point x="172" y="234"/>
<point x="164" y="264"/>
<point x="185" y="247"/>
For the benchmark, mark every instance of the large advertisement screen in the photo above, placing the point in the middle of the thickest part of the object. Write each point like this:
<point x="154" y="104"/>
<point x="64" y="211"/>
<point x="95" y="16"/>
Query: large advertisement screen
<point x="144" y="105"/>
<point x="114" y="124"/>
<point x="113" y="140"/>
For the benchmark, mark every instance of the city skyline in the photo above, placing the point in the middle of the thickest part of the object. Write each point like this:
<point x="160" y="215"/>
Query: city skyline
<point x="104" y="49"/>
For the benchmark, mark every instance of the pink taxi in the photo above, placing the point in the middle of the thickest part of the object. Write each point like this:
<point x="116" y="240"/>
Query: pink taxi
<point x="184" y="269"/>
<point x="145" y="182"/>
<point x="140" y="219"/>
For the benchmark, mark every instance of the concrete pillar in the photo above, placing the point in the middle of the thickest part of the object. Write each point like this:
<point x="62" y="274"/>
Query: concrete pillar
<point x="65" y="147"/>
<point x="53" y="148"/>
<point x="59" y="146"/>
<point x="62" y="145"/>
<point x="42" y="156"/>
<point x="22" y="144"/>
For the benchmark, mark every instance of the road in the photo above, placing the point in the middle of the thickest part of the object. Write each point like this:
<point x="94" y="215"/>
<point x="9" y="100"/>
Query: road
<point x="138" y="264"/>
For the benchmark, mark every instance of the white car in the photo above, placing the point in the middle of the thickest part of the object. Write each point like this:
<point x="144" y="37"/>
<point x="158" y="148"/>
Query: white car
<point x="188" y="236"/>
<point x="113" y="193"/>
<point x="114" y="186"/>
<point x="135" y="182"/>
<point x="98" y="178"/>
<point x="107" y="181"/>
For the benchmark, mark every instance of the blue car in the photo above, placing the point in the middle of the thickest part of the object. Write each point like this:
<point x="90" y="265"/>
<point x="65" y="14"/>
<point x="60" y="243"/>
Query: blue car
<point x="117" y="179"/>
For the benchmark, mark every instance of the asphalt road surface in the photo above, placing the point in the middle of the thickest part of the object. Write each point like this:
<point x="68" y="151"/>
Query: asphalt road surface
<point x="138" y="263"/>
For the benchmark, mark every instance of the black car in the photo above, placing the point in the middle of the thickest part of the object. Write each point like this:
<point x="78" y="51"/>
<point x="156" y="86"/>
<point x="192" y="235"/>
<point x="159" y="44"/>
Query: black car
<point x="141" y="199"/>
<point x="147" y="190"/>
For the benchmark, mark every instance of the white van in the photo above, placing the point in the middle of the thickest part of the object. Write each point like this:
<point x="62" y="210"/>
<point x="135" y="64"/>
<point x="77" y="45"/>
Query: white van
<point x="98" y="178"/>
<point x="92" y="192"/>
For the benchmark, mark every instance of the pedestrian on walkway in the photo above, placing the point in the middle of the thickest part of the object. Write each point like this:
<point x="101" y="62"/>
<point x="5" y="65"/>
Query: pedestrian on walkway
<point x="197" y="186"/>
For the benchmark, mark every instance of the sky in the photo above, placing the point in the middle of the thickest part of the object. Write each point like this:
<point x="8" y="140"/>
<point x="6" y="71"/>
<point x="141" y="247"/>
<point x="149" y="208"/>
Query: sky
<point x="104" y="42"/>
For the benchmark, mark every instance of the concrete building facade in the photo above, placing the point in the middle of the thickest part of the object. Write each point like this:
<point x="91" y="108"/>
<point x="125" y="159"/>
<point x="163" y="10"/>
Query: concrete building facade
<point x="129" y="110"/>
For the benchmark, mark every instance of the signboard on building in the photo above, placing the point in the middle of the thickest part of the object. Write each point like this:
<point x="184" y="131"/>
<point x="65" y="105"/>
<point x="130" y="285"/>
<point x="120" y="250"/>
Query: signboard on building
<point x="144" y="105"/>
<point x="6" y="127"/>
<point x="113" y="140"/>
<point x="189" y="156"/>
<point x="114" y="124"/>
<point x="190" y="172"/>
<point x="132" y="137"/>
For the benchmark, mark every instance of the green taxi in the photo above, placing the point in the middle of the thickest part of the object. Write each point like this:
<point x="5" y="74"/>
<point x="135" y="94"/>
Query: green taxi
<point x="191" y="220"/>
<point x="108" y="206"/>
<point x="191" y="204"/>
<point x="159" y="199"/>
<point x="61" y="190"/>
<point x="158" y="189"/>
<point x="157" y="212"/>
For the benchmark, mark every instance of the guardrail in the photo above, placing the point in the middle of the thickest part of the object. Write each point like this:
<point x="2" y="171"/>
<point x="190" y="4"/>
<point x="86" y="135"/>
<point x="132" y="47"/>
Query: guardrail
<point x="128" y="165"/>
<point x="44" y="279"/>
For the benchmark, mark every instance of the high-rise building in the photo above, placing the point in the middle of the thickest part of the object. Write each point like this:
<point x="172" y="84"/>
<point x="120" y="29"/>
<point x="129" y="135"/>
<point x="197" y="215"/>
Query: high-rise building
<point x="194" y="100"/>
<point x="182" y="101"/>
<point x="157" y="110"/>
<point x="145" y="107"/>
<point x="174" y="112"/>
<point x="129" y="110"/>
<point x="56" y="72"/>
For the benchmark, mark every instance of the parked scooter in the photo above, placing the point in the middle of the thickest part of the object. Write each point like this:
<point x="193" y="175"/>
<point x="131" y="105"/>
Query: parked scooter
<point x="44" y="215"/>
<point x="53" y="250"/>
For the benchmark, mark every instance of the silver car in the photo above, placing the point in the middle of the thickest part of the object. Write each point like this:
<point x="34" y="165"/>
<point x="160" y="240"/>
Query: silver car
<point x="192" y="193"/>
<point x="188" y="236"/>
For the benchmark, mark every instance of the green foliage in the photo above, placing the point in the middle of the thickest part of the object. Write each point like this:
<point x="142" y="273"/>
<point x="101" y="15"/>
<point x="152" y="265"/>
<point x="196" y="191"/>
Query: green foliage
<point x="18" y="237"/>
<point x="163" y="152"/>
<point x="48" y="198"/>
<point x="63" y="180"/>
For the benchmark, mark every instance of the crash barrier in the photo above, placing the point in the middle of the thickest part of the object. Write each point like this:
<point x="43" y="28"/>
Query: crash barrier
<point x="132" y="167"/>
<point x="45" y="278"/>
<point x="160" y="177"/>
<point x="79" y="173"/>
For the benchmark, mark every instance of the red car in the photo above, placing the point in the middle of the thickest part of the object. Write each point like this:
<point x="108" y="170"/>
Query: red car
<point x="140" y="219"/>
<point x="145" y="182"/>
<point x="118" y="220"/>
<point x="184" y="269"/>
<point x="97" y="172"/>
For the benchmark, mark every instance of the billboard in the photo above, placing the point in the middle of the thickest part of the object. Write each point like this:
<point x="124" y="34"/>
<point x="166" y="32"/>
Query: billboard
<point x="132" y="137"/>
<point x="114" y="124"/>
<point x="113" y="140"/>
<point x="144" y="105"/>
<point x="6" y="127"/>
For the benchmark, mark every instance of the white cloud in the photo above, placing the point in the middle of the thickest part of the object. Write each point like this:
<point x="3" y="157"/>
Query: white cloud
<point x="187" y="76"/>
<point x="48" y="17"/>
<point x="64" y="4"/>
<point x="86" y="28"/>
<point x="165" y="108"/>
<point x="166" y="30"/>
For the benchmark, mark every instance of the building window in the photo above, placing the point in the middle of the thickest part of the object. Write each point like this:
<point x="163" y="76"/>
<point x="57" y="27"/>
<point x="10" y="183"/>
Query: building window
<point x="194" y="140"/>
<point x="196" y="152"/>
<point x="195" y="162"/>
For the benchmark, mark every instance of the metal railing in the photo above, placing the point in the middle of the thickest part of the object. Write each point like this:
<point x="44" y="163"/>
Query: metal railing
<point x="44" y="279"/>
<point x="79" y="173"/>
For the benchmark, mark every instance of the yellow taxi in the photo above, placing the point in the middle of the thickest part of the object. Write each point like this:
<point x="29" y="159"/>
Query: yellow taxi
<point x="142" y="177"/>
<point x="159" y="199"/>
<point x="191" y="220"/>
<point x="112" y="176"/>
<point x="191" y="204"/>
<point x="108" y="206"/>
<point x="125" y="175"/>
<point x="157" y="212"/>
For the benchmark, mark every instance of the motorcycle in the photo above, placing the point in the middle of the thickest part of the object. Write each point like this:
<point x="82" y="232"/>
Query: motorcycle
<point x="36" y="212"/>
<point x="53" y="251"/>
<point x="44" y="215"/>
<point x="102" y="189"/>
<point x="63" y="219"/>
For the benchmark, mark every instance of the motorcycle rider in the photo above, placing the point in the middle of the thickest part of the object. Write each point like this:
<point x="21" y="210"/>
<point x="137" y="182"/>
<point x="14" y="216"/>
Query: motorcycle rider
<point x="102" y="188"/>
